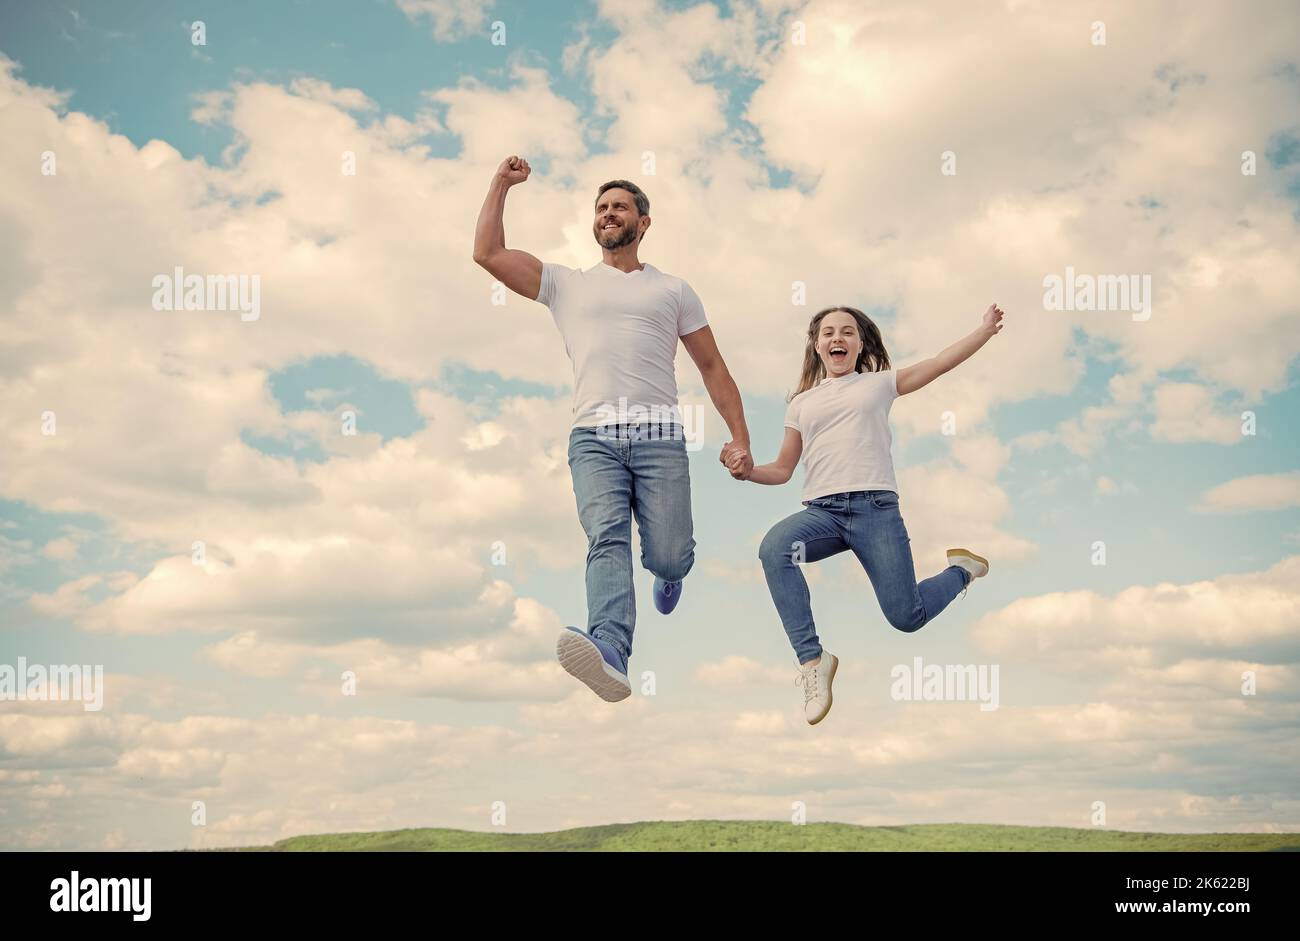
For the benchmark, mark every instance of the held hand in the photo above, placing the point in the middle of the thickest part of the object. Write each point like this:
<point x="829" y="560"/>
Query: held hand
<point x="741" y="466"/>
<point x="993" y="318"/>
<point x="514" y="170"/>
<point x="729" y="450"/>
<point x="738" y="460"/>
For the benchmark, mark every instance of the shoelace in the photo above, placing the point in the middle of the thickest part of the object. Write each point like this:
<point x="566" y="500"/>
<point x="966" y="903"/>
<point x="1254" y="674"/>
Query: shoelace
<point x="808" y="680"/>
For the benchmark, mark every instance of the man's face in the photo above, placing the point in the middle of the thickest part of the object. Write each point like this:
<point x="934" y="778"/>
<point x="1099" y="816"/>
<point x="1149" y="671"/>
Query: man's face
<point x="617" y="222"/>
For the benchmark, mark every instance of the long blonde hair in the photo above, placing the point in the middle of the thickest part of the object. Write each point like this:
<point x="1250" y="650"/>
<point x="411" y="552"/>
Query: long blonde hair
<point x="873" y="358"/>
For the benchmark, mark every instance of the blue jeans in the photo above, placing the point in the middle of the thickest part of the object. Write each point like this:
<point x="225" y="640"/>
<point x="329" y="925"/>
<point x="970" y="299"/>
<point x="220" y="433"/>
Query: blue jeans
<point x="869" y="523"/>
<point x="619" y="471"/>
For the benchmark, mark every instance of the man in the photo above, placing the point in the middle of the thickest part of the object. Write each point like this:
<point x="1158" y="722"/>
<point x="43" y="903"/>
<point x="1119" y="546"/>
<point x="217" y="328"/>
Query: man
<point x="620" y="320"/>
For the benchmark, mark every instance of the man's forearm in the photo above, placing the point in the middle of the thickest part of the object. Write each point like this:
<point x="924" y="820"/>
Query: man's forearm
<point x="726" y="399"/>
<point x="490" y="233"/>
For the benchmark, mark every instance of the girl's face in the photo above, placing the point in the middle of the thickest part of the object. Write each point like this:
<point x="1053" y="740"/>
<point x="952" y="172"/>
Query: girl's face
<point x="839" y="344"/>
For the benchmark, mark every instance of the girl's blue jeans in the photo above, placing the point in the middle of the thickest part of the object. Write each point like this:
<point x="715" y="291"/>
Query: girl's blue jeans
<point x="869" y="523"/>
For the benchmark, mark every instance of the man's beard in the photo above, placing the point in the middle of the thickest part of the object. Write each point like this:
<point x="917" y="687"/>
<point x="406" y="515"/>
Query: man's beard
<point x="625" y="236"/>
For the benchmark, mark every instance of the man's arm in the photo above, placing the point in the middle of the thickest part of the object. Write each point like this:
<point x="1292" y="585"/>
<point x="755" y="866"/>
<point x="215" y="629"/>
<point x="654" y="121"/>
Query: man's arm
<point x="918" y="376"/>
<point x="722" y="390"/>
<point x="519" y="271"/>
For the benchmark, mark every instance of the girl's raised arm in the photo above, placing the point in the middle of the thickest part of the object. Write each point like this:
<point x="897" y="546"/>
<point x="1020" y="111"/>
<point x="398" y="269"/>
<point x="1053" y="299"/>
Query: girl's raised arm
<point x="920" y="375"/>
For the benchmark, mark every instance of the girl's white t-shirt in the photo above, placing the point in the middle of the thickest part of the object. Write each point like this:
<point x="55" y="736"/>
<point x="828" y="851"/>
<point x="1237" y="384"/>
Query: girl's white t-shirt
<point x="620" y="330"/>
<point x="844" y="424"/>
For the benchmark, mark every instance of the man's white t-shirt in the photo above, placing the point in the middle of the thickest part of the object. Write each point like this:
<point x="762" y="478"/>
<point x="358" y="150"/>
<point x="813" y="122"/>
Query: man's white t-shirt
<point x="844" y="424"/>
<point x="620" y="330"/>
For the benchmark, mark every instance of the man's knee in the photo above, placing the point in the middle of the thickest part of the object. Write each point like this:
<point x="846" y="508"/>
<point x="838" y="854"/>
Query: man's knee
<point x="671" y="566"/>
<point x="608" y="534"/>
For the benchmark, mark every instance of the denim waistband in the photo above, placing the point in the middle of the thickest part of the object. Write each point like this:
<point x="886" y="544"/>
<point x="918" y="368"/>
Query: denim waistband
<point x="850" y="493"/>
<point x="642" y="430"/>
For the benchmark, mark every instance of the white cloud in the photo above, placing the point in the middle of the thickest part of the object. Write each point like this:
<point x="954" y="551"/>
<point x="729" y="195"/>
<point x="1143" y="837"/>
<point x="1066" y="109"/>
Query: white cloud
<point x="450" y="19"/>
<point x="956" y="502"/>
<point x="527" y="119"/>
<point x="942" y="247"/>
<point x="1252" y="493"/>
<point x="737" y="670"/>
<point x="1081" y="632"/>
<point x="516" y="662"/>
<point x="760" y="723"/>
<point x="62" y="549"/>
<point x="344" y="99"/>
<point x="1185" y="411"/>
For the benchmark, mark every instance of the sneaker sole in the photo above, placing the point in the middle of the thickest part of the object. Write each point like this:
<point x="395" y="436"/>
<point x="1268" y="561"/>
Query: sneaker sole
<point x="582" y="659"/>
<point x="830" y="700"/>
<point x="978" y="558"/>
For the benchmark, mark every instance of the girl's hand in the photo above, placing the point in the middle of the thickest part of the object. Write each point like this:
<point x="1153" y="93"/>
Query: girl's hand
<point x="738" y="461"/>
<point x="742" y="467"/>
<point x="993" y="318"/>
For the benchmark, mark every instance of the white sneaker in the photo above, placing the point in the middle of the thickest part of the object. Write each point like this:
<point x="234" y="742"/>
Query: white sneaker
<point x="977" y="565"/>
<point x="815" y="678"/>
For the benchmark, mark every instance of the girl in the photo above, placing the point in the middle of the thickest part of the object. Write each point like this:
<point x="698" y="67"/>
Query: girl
<point x="838" y="419"/>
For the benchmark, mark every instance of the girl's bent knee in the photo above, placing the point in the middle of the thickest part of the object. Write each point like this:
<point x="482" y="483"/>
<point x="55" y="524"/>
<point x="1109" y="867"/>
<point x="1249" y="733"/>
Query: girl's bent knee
<point x="908" y="625"/>
<point x="773" y="556"/>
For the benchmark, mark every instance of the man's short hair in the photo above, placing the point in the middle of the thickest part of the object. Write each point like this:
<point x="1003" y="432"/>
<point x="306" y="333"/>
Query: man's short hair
<point x="642" y="200"/>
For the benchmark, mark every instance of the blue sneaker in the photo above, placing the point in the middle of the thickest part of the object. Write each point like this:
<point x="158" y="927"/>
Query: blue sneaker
<point x="594" y="662"/>
<point x="667" y="594"/>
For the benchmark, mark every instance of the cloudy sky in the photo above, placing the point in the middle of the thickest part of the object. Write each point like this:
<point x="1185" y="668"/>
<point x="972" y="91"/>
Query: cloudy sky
<point x="435" y="553"/>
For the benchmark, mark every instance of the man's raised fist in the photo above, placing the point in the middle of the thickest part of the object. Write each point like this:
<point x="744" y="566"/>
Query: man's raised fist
<point x="514" y="170"/>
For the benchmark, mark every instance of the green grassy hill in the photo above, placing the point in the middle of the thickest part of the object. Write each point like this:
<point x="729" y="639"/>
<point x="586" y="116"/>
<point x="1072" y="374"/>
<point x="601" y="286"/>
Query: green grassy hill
<point x="712" y="835"/>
